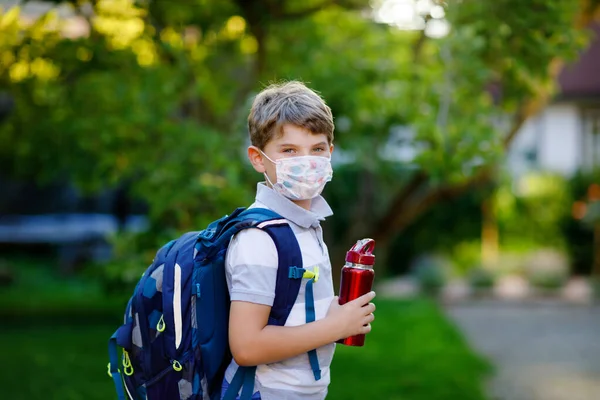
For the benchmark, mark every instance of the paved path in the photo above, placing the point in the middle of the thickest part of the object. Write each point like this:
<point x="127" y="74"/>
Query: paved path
<point x="541" y="351"/>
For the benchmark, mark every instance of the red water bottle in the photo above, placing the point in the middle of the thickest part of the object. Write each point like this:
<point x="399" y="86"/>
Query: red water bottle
<point x="357" y="279"/>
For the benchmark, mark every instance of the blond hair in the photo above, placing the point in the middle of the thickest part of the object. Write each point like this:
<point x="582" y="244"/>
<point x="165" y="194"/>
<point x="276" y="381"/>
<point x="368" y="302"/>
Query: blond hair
<point x="288" y="103"/>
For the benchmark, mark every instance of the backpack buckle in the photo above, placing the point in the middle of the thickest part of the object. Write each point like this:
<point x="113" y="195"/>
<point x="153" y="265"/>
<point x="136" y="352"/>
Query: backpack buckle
<point x="296" y="273"/>
<point x="314" y="274"/>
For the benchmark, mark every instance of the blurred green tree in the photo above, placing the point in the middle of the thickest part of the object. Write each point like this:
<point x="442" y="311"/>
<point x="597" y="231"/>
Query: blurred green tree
<point x="155" y="93"/>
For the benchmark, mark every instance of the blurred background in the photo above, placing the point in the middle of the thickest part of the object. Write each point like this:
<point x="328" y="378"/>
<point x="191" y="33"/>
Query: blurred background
<point x="467" y="145"/>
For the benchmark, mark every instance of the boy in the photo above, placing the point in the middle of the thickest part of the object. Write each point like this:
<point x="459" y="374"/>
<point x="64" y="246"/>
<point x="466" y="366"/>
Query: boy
<point x="291" y="131"/>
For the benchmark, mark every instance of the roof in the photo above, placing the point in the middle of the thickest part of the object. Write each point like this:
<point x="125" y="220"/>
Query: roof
<point x="581" y="79"/>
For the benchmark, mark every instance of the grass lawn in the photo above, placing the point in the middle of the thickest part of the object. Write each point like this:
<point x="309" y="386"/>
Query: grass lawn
<point x="412" y="353"/>
<point x="55" y="332"/>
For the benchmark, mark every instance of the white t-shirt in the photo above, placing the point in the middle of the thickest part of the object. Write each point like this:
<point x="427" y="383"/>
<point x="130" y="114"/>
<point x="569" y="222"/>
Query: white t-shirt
<point x="251" y="270"/>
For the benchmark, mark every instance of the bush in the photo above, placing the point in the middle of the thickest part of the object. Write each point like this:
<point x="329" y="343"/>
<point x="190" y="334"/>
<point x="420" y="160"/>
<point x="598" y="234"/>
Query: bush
<point x="466" y="256"/>
<point x="132" y="254"/>
<point x="431" y="273"/>
<point x="481" y="278"/>
<point x="7" y="276"/>
<point x="530" y="210"/>
<point x="451" y="227"/>
<point x="547" y="269"/>
<point x="579" y="237"/>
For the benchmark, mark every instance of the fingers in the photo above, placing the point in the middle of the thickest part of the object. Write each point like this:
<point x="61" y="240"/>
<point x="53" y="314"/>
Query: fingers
<point x="366" y="329"/>
<point x="368" y="319"/>
<point x="364" y="299"/>
<point x="367" y="309"/>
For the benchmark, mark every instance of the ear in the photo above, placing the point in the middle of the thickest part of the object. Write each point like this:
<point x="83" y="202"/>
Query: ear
<point x="256" y="159"/>
<point x="330" y="149"/>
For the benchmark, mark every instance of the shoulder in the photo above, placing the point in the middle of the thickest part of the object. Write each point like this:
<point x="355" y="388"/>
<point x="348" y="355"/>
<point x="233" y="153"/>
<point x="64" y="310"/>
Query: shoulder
<point x="253" y="238"/>
<point x="256" y="243"/>
<point x="252" y="246"/>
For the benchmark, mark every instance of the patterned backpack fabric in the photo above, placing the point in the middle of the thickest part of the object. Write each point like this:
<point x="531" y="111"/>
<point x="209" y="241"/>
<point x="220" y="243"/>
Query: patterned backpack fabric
<point x="175" y="331"/>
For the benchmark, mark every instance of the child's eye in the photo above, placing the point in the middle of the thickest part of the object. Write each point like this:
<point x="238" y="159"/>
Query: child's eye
<point x="289" y="151"/>
<point x="319" y="149"/>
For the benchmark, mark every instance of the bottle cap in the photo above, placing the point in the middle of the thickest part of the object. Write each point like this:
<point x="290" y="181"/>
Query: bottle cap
<point x="362" y="252"/>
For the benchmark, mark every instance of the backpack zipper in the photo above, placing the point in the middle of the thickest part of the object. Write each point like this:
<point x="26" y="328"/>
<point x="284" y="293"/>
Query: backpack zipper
<point x="168" y="369"/>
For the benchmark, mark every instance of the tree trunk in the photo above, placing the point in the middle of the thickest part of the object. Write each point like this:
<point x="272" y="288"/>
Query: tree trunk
<point x="417" y="197"/>
<point x="489" y="234"/>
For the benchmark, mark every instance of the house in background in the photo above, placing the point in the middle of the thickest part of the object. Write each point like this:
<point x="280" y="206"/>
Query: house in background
<point x="565" y="137"/>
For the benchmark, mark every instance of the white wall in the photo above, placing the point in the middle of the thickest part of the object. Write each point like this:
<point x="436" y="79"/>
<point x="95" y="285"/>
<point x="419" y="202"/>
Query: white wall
<point x="555" y="136"/>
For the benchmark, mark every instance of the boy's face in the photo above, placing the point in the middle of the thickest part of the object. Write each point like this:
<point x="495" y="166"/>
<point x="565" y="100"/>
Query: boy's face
<point x="294" y="142"/>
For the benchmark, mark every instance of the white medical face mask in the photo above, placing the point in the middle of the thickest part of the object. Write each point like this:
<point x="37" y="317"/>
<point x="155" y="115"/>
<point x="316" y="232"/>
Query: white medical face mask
<point x="301" y="178"/>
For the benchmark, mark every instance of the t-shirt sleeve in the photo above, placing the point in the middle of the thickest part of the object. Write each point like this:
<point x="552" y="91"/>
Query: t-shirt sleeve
<point x="251" y="267"/>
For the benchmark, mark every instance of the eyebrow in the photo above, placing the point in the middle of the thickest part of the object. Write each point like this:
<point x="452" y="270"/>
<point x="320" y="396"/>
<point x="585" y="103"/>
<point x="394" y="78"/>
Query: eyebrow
<point x="293" y="145"/>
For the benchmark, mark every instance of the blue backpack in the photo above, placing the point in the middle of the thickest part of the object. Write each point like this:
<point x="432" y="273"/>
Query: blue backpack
<point x="175" y="331"/>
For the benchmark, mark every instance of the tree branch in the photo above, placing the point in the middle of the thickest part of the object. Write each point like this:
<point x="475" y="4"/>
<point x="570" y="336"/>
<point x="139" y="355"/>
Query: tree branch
<point x="419" y="205"/>
<point x="298" y="14"/>
<point x="591" y="12"/>
<point x="409" y="204"/>
<point x="254" y="12"/>
<point x="532" y="106"/>
<point x="384" y="227"/>
<point x="362" y="210"/>
<point x="518" y="120"/>
<point x="254" y="73"/>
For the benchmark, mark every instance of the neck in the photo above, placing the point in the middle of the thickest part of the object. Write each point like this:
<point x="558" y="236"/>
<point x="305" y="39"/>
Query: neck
<point x="303" y="203"/>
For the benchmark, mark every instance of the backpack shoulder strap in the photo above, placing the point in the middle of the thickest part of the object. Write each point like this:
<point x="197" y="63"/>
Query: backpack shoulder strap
<point x="289" y="278"/>
<point x="288" y="283"/>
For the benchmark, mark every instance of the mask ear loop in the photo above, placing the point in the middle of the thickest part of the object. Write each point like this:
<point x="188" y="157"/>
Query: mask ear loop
<point x="268" y="158"/>
<point x="268" y="180"/>
<point x="265" y="174"/>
